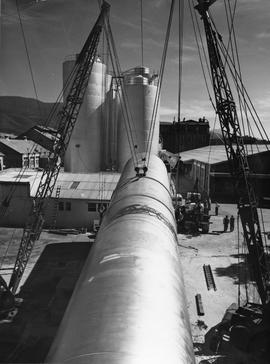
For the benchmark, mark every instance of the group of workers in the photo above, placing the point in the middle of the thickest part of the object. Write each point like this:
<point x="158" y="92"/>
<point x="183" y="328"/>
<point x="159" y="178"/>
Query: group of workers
<point x="226" y="221"/>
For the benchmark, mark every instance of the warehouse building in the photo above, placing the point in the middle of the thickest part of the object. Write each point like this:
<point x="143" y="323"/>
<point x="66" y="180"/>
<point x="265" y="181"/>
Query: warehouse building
<point x="184" y="135"/>
<point x="23" y="153"/>
<point x="207" y="170"/>
<point x="1" y="161"/>
<point x="76" y="200"/>
<point x="41" y="135"/>
<point x="19" y="153"/>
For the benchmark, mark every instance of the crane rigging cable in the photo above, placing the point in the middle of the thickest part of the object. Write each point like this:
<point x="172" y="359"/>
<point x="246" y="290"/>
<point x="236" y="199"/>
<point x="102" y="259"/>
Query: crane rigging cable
<point x="232" y="44"/>
<point x="230" y="24"/>
<point x="230" y="15"/>
<point x="52" y="114"/>
<point x="124" y="102"/>
<point x="6" y="202"/>
<point x="246" y="103"/>
<point x="28" y="56"/>
<point x="180" y="65"/>
<point x="237" y="78"/>
<point x="157" y="96"/>
<point x="67" y="122"/>
<point x="245" y="97"/>
<point x="200" y="45"/>
<point x="141" y="10"/>
<point x="238" y="163"/>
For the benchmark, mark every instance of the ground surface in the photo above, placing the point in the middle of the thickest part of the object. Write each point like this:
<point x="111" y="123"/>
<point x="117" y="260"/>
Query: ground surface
<point x="217" y="248"/>
<point x="220" y="250"/>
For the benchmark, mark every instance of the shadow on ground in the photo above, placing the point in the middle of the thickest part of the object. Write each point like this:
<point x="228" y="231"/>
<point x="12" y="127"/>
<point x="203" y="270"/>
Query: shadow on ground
<point x="239" y="272"/>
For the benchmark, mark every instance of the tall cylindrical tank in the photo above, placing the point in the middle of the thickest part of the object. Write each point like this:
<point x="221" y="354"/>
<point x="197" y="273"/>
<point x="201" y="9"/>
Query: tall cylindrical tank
<point x="129" y="304"/>
<point x="83" y="154"/>
<point x="113" y="103"/>
<point x="141" y="97"/>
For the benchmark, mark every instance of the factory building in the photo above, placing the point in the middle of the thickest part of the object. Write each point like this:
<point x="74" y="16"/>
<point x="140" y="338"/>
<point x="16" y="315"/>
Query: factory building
<point x="41" y="135"/>
<point x="184" y="135"/>
<point x="99" y="140"/>
<point x="140" y="89"/>
<point x="1" y="161"/>
<point x="207" y="170"/>
<point x="85" y="150"/>
<point x="80" y="198"/>
<point x="20" y="153"/>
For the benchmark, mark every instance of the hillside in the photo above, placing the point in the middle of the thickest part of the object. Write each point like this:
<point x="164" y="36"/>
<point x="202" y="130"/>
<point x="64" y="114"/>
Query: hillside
<point x="18" y="114"/>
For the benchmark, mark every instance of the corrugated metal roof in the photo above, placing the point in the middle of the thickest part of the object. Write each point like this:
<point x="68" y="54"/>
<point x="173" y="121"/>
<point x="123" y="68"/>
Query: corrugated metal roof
<point x="217" y="153"/>
<point x="22" y="146"/>
<point x="92" y="186"/>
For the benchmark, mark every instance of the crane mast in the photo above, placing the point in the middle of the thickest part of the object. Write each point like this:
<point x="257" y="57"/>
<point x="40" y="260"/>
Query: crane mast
<point x="67" y="120"/>
<point x="237" y="157"/>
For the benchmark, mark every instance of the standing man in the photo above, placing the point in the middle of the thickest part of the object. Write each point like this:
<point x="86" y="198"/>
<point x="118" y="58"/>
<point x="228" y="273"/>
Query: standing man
<point x="232" y="223"/>
<point x="226" y="223"/>
<point x="216" y="209"/>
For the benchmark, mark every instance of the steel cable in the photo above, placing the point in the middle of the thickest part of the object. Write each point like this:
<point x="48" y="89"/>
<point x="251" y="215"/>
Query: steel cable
<point x="199" y="52"/>
<point x="157" y="96"/>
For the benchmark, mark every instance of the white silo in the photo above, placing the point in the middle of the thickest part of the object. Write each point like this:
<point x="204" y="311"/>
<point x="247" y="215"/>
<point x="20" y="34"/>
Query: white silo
<point x="112" y="101"/>
<point x="84" y="151"/>
<point x="141" y="95"/>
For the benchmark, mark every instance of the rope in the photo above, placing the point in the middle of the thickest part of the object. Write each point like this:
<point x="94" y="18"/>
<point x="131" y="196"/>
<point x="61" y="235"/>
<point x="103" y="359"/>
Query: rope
<point x="125" y="109"/>
<point x="141" y="8"/>
<point x="239" y="84"/>
<point x="124" y="105"/>
<point x="22" y="171"/>
<point x="157" y="97"/>
<point x="236" y="60"/>
<point x="210" y="144"/>
<point x="238" y="260"/>
<point x="199" y="52"/>
<point x="180" y="65"/>
<point x="28" y="57"/>
<point x="47" y="122"/>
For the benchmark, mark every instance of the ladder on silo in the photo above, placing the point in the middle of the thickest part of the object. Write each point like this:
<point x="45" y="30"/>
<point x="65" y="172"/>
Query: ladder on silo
<point x="55" y="207"/>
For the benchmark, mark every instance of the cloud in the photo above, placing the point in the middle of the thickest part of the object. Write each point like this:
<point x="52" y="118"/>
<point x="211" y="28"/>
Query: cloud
<point x="159" y="3"/>
<point x="148" y="43"/>
<point x="264" y="35"/>
<point x="185" y="59"/>
<point x="167" y="111"/>
<point x="125" y="22"/>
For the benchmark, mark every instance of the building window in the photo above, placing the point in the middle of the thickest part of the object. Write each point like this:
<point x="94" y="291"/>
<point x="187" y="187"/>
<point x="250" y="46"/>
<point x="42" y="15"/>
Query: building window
<point x="32" y="162"/>
<point x="25" y="161"/>
<point x="91" y="207"/>
<point x="61" y="206"/>
<point x="68" y="206"/>
<point x="36" y="161"/>
<point x="74" y="185"/>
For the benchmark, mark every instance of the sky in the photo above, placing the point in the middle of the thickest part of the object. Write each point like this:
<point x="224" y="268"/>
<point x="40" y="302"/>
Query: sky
<point x="55" y="29"/>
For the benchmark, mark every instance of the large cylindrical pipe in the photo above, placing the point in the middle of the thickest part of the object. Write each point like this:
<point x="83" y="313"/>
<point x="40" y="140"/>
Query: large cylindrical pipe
<point x="129" y="304"/>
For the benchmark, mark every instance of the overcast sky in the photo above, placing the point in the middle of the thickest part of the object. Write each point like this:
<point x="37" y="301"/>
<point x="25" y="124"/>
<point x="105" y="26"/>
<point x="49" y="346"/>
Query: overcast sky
<point x="57" y="28"/>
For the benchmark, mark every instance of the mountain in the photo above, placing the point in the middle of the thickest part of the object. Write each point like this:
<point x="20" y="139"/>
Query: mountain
<point x="18" y="114"/>
<point x="216" y="138"/>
